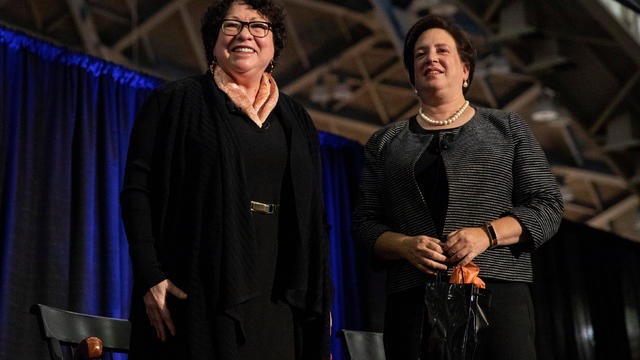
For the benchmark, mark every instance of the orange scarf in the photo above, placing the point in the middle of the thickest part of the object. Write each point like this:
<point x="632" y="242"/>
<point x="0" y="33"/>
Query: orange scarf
<point x="266" y="98"/>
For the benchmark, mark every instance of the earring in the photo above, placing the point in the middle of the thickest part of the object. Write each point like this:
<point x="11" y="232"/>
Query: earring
<point x="465" y="84"/>
<point x="270" y="67"/>
<point x="415" y="91"/>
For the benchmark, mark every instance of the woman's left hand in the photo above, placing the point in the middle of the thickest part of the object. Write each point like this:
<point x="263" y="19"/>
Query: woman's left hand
<point x="463" y="245"/>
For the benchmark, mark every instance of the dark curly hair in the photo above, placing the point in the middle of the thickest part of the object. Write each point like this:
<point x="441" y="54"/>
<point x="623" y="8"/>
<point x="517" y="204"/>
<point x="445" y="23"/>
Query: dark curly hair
<point x="465" y="49"/>
<point x="212" y="21"/>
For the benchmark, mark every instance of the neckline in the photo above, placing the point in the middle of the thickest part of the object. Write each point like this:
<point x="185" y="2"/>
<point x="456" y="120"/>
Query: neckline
<point x="458" y="125"/>
<point x="416" y="128"/>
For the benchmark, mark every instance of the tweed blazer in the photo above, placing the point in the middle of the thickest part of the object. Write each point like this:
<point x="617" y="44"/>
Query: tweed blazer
<point x="495" y="168"/>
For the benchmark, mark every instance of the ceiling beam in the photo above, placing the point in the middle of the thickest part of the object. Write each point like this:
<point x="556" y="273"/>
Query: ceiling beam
<point x="491" y="10"/>
<point x="148" y="49"/>
<point x="606" y="42"/>
<point x="613" y="104"/>
<point x="331" y="9"/>
<point x="603" y="220"/>
<point x="106" y="13"/>
<point x="479" y="20"/>
<point x="194" y="37"/>
<point x="593" y="193"/>
<point x="580" y="209"/>
<point x="161" y="15"/>
<point x="371" y="89"/>
<point x="345" y="127"/>
<point x="597" y="177"/>
<point x="297" y="44"/>
<point x="524" y="98"/>
<point x="488" y="92"/>
<point x="56" y="23"/>
<point x="410" y="111"/>
<point x="309" y="78"/>
<point x="86" y="28"/>
<point x="388" y="25"/>
<point x="344" y="29"/>
<point x="602" y="15"/>
<point x="35" y="12"/>
<point x="362" y="89"/>
<point x="570" y="141"/>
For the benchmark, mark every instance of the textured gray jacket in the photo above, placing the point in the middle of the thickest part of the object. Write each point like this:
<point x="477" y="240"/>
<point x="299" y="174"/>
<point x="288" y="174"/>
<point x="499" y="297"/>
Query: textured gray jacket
<point x="495" y="167"/>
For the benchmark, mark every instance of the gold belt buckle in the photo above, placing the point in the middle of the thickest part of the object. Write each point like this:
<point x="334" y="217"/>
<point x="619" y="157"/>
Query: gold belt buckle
<point x="263" y="208"/>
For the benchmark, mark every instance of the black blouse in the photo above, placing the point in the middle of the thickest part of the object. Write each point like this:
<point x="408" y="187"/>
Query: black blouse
<point x="431" y="174"/>
<point x="268" y="324"/>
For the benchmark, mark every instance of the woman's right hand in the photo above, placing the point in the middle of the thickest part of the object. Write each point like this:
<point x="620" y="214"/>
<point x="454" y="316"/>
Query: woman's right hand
<point x="425" y="253"/>
<point x="155" y="302"/>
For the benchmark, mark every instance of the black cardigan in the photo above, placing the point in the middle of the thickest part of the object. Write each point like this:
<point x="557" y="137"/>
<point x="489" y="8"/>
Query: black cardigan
<point x="186" y="213"/>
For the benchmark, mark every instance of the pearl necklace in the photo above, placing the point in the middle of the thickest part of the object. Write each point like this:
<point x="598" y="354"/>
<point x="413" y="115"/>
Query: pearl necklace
<point x="444" y="122"/>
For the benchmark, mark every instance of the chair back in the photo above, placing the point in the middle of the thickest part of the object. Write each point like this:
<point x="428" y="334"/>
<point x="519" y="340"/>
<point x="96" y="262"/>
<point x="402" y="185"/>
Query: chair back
<point x="363" y="345"/>
<point x="70" y="328"/>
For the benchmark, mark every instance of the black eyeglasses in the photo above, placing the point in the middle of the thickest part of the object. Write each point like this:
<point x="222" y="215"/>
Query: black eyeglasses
<point x="256" y="28"/>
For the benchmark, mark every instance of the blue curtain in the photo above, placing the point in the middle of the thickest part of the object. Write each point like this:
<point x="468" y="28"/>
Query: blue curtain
<point x="65" y="120"/>
<point x="341" y="168"/>
<point x="64" y="127"/>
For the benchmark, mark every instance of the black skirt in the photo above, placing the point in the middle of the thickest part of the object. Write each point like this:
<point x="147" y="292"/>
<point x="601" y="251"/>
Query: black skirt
<point x="510" y="334"/>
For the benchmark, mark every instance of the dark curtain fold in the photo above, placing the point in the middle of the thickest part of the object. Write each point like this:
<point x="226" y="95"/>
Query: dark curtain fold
<point x="64" y="126"/>
<point x="341" y="165"/>
<point x="587" y="295"/>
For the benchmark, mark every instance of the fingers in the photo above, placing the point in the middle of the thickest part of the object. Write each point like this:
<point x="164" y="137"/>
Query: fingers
<point x="176" y="291"/>
<point x="157" y="310"/>
<point x="464" y="245"/>
<point x="425" y="253"/>
<point x="153" y="313"/>
<point x="166" y="318"/>
<point x="465" y="260"/>
<point x="429" y="266"/>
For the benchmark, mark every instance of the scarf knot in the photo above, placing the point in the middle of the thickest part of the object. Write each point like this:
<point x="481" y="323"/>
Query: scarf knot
<point x="257" y="110"/>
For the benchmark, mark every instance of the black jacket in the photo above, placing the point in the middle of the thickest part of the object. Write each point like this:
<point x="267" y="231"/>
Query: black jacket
<point x="187" y="218"/>
<point x="495" y="167"/>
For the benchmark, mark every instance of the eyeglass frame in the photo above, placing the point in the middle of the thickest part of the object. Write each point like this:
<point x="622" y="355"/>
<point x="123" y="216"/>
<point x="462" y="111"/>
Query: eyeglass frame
<point x="248" y="25"/>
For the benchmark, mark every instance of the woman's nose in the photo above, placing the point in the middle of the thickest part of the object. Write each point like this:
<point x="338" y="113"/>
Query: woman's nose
<point x="244" y="32"/>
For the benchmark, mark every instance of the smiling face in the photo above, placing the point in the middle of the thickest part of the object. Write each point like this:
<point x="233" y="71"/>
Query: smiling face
<point x="437" y="64"/>
<point x="243" y="54"/>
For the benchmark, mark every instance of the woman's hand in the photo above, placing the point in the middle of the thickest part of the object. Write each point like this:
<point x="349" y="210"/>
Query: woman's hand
<point x="156" y="306"/>
<point x="464" y="245"/>
<point x="425" y="253"/>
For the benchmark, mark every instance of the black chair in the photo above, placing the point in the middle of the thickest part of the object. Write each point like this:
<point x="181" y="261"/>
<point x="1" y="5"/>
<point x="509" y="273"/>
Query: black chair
<point x="363" y="345"/>
<point x="66" y="328"/>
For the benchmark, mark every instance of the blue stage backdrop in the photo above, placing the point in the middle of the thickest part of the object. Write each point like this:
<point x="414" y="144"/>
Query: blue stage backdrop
<point x="65" y="120"/>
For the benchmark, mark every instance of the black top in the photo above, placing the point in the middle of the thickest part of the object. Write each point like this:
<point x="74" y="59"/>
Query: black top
<point x="431" y="174"/>
<point x="268" y="321"/>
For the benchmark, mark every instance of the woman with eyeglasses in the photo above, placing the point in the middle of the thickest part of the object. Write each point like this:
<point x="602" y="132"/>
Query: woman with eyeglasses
<point x="223" y="209"/>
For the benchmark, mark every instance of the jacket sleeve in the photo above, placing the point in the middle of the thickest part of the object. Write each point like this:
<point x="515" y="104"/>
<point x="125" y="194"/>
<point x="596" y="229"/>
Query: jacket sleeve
<point x="369" y="220"/>
<point x="135" y="197"/>
<point x="538" y="205"/>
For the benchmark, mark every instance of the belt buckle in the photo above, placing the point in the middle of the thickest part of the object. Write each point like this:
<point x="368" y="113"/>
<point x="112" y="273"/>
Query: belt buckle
<point x="262" y="208"/>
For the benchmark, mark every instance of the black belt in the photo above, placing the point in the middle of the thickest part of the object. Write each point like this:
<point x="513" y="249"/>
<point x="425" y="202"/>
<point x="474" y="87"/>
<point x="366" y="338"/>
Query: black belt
<point x="262" y="208"/>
